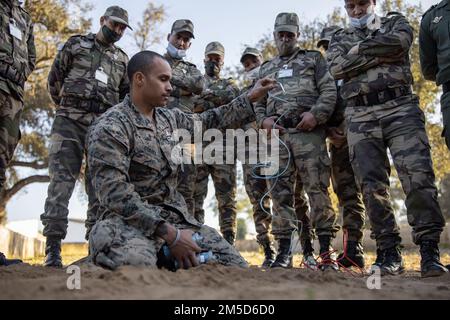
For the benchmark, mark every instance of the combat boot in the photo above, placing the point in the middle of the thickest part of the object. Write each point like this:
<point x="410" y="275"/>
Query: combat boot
<point x="308" y="255"/>
<point x="326" y="253"/>
<point x="354" y="255"/>
<point x="8" y="262"/>
<point x="430" y="265"/>
<point x="378" y="261"/>
<point x="229" y="236"/>
<point x="269" y="254"/>
<point x="393" y="262"/>
<point x="284" y="256"/>
<point x="53" y="253"/>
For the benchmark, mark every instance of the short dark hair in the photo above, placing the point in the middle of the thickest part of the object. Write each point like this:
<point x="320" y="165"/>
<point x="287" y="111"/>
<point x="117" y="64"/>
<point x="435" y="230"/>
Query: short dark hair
<point x="142" y="62"/>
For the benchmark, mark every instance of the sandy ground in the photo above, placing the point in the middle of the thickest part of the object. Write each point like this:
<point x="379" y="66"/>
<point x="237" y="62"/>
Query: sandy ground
<point x="217" y="282"/>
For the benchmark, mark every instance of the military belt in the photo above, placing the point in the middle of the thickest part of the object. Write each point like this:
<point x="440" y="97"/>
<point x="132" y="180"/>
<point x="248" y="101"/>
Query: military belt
<point x="446" y="87"/>
<point x="90" y="106"/>
<point x="379" y="97"/>
<point x="11" y="73"/>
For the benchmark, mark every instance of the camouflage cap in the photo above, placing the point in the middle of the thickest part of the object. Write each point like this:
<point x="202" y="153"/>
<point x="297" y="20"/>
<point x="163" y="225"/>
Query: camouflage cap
<point x="215" y="48"/>
<point x="183" y="25"/>
<point x="118" y="14"/>
<point x="326" y="35"/>
<point x="287" y="22"/>
<point x="251" y="52"/>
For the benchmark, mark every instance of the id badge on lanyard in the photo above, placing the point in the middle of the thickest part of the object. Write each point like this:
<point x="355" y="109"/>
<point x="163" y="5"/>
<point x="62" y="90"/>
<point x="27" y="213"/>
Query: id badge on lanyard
<point x="14" y="30"/>
<point x="101" y="76"/>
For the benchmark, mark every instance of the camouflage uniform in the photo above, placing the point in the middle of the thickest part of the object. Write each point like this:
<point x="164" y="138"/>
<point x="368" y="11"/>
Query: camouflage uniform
<point x="435" y="55"/>
<point x="342" y="175"/>
<point x="218" y="92"/>
<point x="383" y="113"/>
<point x="309" y="88"/>
<point x="187" y="81"/>
<point x="81" y="95"/>
<point x="135" y="180"/>
<point x="17" y="61"/>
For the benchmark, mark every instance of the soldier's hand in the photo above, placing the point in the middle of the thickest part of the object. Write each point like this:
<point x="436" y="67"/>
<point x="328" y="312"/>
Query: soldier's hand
<point x="308" y="122"/>
<point x="268" y="124"/>
<point x="337" y="137"/>
<point x="185" y="250"/>
<point x="261" y="89"/>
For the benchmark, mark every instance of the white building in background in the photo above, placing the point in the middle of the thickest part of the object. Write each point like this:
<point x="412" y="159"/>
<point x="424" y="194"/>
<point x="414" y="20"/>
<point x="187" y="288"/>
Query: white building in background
<point x="33" y="229"/>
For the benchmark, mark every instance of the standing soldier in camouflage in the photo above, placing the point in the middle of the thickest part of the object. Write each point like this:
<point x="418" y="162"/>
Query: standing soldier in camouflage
<point x="87" y="77"/>
<point x="256" y="189"/>
<point x="251" y="60"/>
<point x="372" y="57"/>
<point x="342" y="175"/>
<point x="218" y="92"/>
<point x="435" y="55"/>
<point x="135" y="177"/>
<point x="299" y="109"/>
<point x="187" y="81"/>
<point x="17" y="61"/>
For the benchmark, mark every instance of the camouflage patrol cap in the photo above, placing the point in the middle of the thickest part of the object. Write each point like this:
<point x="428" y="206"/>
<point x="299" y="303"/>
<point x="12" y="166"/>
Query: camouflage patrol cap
<point x="183" y="25"/>
<point x="287" y="21"/>
<point x="215" y="48"/>
<point x="326" y="35"/>
<point x="117" y="14"/>
<point x="251" y="52"/>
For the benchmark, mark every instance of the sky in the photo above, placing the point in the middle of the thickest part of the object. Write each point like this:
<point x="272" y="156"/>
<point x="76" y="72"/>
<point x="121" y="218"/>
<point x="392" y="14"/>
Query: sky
<point x="234" y="23"/>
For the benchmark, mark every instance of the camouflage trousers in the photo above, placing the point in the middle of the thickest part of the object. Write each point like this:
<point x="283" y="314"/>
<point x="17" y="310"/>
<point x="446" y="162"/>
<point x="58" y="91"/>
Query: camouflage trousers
<point x="256" y="189"/>
<point x="310" y="161"/>
<point x="10" y="113"/>
<point x="67" y="150"/>
<point x="187" y="176"/>
<point x="403" y="132"/>
<point x="224" y="179"/>
<point x="445" y="107"/>
<point x="114" y="243"/>
<point x="347" y="191"/>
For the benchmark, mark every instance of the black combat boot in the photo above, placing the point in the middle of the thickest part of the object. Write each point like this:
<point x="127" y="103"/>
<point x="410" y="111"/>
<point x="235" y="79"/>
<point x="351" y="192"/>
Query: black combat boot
<point x="393" y="262"/>
<point x="328" y="257"/>
<point x="354" y="255"/>
<point x="8" y="262"/>
<point x="53" y="253"/>
<point x="378" y="261"/>
<point x="284" y="256"/>
<point x="430" y="265"/>
<point x="269" y="254"/>
<point x="308" y="255"/>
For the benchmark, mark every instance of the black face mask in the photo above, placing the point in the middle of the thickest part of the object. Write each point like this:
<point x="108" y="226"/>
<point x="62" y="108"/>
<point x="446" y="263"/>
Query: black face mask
<point x="212" y="68"/>
<point x="110" y="35"/>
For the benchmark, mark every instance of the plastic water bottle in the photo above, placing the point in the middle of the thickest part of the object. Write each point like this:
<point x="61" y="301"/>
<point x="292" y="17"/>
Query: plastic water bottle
<point x="167" y="261"/>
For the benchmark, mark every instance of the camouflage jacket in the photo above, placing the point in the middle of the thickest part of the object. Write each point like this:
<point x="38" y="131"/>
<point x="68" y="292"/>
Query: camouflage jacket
<point x="17" y="53"/>
<point x="75" y="72"/>
<point x="382" y="60"/>
<point x="435" y="43"/>
<point x="218" y="92"/>
<point x="308" y="85"/>
<point x="186" y="81"/>
<point x="130" y="159"/>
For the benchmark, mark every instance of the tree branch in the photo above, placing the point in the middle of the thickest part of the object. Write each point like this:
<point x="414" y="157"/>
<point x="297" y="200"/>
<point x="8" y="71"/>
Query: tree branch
<point x="34" y="165"/>
<point x="8" y="194"/>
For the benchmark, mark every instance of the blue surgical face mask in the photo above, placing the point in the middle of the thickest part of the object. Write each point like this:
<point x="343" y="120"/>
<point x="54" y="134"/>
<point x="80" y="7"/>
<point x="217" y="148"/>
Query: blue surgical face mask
<point x="361" y="23"/>
<point x="175" y="53"/>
